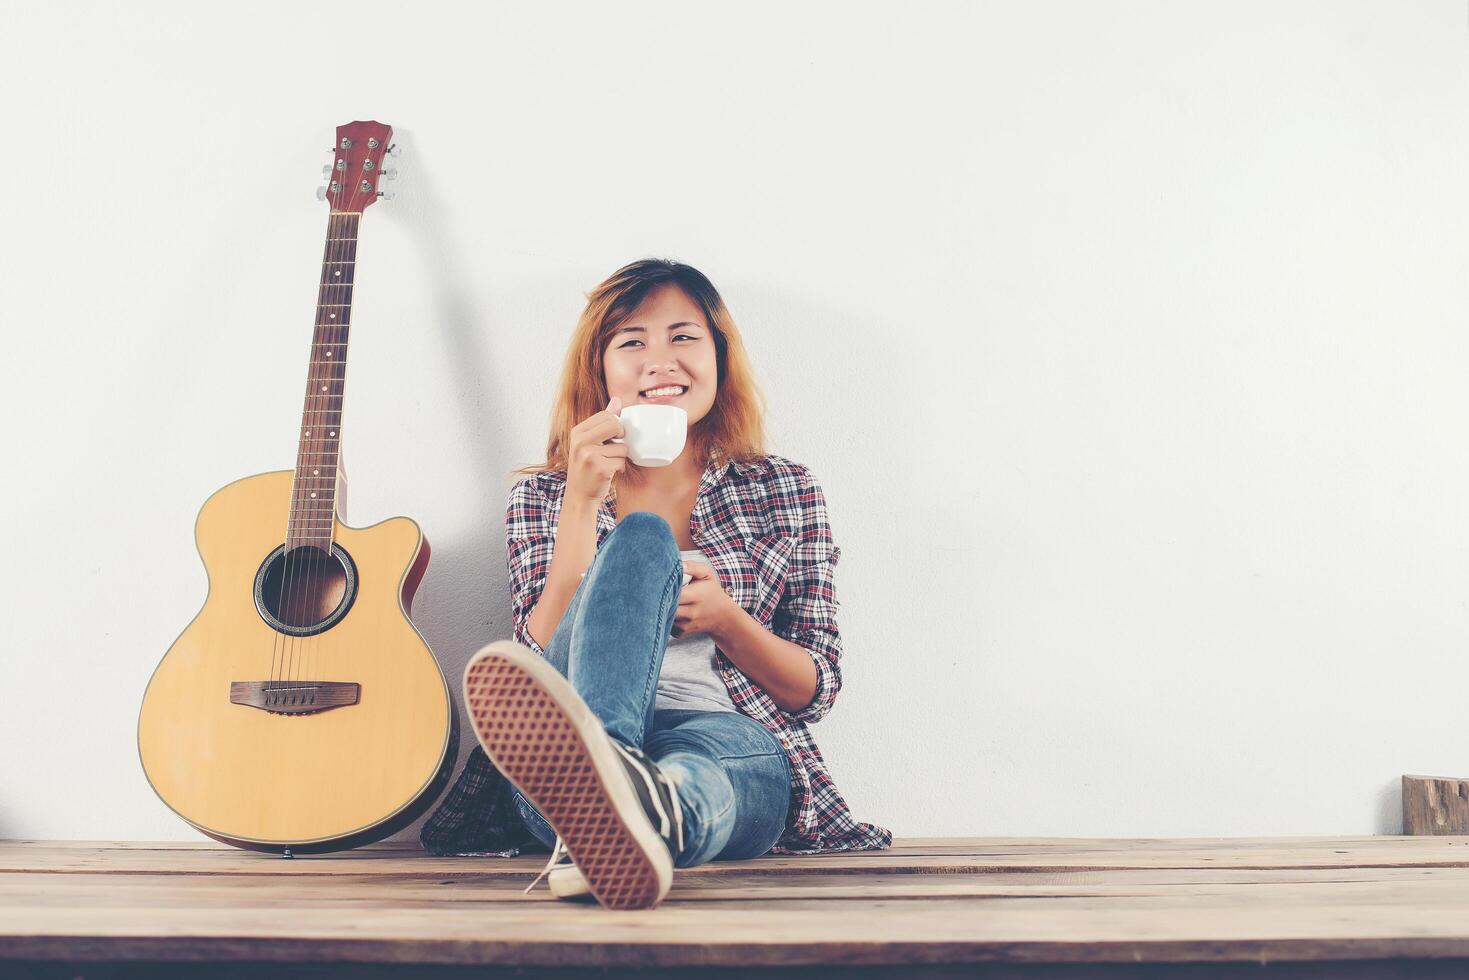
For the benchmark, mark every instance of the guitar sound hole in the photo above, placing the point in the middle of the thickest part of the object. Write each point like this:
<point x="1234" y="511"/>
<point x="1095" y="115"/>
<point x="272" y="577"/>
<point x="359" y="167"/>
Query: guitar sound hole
<point x="305" y="591"/>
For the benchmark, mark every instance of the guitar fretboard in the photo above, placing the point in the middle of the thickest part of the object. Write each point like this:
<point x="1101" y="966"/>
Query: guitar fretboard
<point x="314" y="489"/>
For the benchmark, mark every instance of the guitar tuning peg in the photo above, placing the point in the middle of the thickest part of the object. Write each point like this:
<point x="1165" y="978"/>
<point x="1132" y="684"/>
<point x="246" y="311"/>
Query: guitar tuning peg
<point x="326" y="170"/>
<point x="387" y="195"/>
<point x="395" y="150"/>
<point x="321" y="193"/>
<point x="391" y="173"/>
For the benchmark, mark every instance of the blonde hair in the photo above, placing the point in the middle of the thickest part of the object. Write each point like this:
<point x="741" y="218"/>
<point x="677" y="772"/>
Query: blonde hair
<point x="734" y="428"/>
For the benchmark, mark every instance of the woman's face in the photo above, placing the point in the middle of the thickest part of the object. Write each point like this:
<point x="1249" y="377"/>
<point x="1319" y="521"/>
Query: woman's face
<point x="665" y="342"/>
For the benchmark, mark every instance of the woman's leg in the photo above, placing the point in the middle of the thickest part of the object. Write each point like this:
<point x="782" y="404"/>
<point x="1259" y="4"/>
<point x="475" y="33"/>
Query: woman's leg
<point x="733" y="779"/>
<point x="611" y="639"/>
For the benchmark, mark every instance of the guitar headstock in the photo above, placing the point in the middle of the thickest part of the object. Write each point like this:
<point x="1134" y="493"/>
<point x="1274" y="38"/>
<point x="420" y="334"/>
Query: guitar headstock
<point x="357" y="177"/>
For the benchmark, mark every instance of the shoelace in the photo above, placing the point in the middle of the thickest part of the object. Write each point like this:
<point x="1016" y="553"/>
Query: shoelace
<point x="556" y="854"/>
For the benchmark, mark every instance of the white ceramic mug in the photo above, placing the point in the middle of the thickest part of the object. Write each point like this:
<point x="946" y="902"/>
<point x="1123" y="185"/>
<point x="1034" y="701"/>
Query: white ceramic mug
<point x="654" y="434"/>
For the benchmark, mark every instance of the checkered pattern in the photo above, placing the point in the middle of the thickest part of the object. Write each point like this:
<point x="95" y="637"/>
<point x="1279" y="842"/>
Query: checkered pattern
<point x="763" y="527"/>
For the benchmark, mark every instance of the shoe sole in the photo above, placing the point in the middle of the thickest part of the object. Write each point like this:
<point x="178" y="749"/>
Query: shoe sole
<point x="542" y="736"/>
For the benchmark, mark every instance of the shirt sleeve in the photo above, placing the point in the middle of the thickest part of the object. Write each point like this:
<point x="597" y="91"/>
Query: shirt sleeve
<point x="529" y="542"/>
<point x="807" y="615"/>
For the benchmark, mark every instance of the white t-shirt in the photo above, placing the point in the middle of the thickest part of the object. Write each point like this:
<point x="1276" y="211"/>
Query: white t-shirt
<point x="690" y="676"/>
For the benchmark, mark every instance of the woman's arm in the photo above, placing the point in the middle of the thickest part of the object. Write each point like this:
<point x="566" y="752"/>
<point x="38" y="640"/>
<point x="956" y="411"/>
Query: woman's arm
<point x="545" y="561"/>
<point x="784" y="670"/>
<point x="798" y="659"/>
<point x="576" y="546"/>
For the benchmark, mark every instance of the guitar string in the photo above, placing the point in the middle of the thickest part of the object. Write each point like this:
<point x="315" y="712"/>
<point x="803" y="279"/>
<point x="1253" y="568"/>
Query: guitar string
<point x="347" y="228"/>
<point x="320" y="564"/>
<point x="352" y="220"/>
<point x="280" y="639"/>
<point x="296" y="556"/>
<point x="289" y="556"/>
<point x="277" y="643"/>
<point x="315" y="562"/>
<point x="316" y="413"/>
<point x="316" y="566"/>
<point x="355" y="221"/>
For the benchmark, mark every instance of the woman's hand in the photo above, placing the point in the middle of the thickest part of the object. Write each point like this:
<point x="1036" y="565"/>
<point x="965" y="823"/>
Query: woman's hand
<point x="703" y="605"/>
<point x="592" y="461"/>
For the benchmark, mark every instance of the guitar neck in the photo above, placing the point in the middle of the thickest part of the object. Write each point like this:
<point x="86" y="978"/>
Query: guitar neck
<point x="318" y="458"/>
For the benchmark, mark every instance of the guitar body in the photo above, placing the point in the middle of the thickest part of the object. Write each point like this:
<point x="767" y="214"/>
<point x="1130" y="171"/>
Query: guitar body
<point x="301" y="708"/>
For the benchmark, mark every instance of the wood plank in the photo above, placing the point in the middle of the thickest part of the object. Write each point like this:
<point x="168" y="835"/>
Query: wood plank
<point x="975" y="855"/>
<point x="911" y="932"/>
<point x="1097" y="890"/>
<point x="923" y="903"/>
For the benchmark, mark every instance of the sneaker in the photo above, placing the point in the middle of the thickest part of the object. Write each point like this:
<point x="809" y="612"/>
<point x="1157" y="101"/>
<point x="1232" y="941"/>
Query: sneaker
<point x="562" y="874"/>
<point x="616" y="815"/>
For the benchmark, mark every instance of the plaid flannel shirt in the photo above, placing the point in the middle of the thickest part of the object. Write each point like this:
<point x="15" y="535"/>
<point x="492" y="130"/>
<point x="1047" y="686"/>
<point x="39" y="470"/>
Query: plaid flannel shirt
<point x="763" y="527"/>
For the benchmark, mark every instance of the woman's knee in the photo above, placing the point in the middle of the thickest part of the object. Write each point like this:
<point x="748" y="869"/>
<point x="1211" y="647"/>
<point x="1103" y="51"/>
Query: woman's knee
<point x="643" y="530"/>
<point x="645" y="522"/>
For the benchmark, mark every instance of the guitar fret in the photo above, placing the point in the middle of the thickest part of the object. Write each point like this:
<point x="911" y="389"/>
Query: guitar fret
<point x="314" y="485"/>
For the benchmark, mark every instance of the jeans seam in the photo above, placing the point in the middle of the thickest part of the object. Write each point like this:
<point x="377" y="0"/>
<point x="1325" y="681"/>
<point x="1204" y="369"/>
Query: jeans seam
<point x="650" y="683"/>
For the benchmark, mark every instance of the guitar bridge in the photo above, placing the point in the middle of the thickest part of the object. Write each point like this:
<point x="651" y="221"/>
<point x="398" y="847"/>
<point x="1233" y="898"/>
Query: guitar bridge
<point x="294" y="697"/>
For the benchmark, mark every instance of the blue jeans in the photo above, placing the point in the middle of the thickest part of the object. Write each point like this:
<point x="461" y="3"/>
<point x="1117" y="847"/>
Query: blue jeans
<point x="732" y="773"/>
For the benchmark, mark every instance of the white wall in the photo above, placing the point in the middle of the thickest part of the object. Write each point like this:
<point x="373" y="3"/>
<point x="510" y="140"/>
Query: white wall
<point x="1127" y="340"/>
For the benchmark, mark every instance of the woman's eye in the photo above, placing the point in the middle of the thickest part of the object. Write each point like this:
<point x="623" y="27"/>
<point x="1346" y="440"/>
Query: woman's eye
<point x="676" y="336"/>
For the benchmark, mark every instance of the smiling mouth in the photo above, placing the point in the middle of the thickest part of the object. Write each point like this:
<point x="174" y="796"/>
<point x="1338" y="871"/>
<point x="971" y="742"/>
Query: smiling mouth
<point x="678" y="394"/>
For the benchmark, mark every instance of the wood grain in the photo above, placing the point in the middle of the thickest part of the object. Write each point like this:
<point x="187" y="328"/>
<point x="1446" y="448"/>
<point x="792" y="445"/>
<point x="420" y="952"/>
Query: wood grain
<point x="1435" y="805"/>
<point x="923" y="903"/>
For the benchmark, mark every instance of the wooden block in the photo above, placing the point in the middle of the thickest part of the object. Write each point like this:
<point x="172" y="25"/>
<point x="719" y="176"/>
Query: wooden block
<point x="1435" y="805"/>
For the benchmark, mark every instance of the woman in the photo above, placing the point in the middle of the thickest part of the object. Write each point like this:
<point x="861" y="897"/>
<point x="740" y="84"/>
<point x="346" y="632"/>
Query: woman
<point x="645" y="723"/>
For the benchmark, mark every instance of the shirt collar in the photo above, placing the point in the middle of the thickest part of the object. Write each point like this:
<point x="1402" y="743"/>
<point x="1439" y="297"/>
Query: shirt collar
<point x="714" y="473"/>
<point x="715" y="470"/>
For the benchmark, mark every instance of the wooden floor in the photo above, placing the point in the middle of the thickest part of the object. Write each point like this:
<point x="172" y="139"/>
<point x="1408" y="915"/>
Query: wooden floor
<point x="1000" y="907"/>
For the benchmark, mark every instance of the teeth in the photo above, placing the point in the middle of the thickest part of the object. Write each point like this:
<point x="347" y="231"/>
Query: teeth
<point x="658" y="392"/>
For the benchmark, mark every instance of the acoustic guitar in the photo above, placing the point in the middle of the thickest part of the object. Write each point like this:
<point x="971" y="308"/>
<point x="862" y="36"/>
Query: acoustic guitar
<point x="301" y="711"/>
